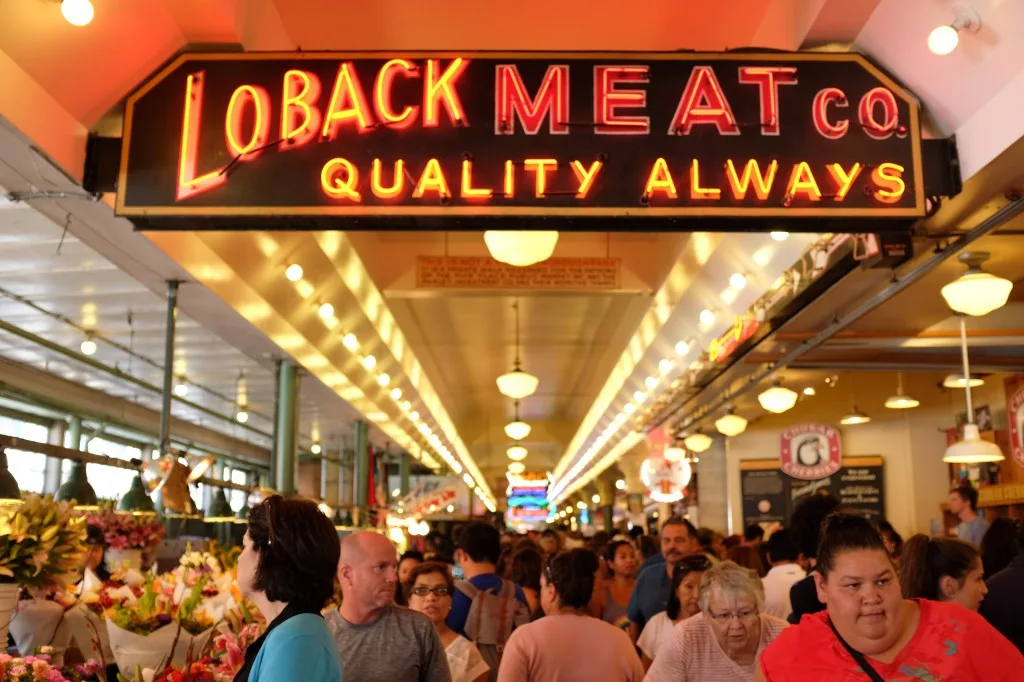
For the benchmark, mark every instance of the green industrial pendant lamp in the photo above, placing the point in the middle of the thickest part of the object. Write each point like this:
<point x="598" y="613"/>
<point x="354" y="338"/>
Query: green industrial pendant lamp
<point x="77" y="489"/>
<point x="243" y="515"/>
<point x="10" y="494"/>
<point x="220" y="511"/>
<point x="137" y="501"/>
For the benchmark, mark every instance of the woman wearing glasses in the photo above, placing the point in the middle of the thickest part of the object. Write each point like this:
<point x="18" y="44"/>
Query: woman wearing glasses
<point x="428" y="589"/>
<point x="568" y="644"/>
<point x="682" y="603"/>
<point x="726" y="639"/>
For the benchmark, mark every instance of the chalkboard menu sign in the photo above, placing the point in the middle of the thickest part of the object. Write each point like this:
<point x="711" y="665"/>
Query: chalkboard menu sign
<point x="769" y="495"/>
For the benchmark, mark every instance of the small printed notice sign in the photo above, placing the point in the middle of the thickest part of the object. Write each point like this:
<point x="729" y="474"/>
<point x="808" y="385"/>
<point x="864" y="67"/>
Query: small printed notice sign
<point x="483" y="272"/>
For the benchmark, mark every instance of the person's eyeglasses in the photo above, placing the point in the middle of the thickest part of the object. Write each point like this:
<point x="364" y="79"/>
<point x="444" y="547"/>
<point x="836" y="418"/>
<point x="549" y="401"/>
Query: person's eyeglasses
<point x="726" y="616"/>
<point x="438" y="591"/>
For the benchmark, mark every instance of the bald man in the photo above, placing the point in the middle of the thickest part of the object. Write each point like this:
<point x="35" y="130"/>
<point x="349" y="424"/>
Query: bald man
<point x="378" y="640"/>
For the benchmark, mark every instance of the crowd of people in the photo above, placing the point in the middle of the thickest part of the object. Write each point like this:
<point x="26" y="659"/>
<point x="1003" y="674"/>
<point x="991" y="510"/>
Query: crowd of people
<point x="829" y="596"/>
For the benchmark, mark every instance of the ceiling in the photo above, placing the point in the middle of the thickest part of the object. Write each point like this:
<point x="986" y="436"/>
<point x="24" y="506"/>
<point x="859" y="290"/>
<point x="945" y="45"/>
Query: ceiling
<point x="443" y="349"/>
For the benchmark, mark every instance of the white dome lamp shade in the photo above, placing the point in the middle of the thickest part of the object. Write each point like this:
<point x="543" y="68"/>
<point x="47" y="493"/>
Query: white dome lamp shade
<point x="516" y="468"/>
<point x="516" y="453"/>
<point x="731" y="424"/>
<point x="958" y="381"/>
<point x="944" y="39"/>
<point x="520" y="248"/>
<point x="976" y="292"/>
<point x="971" y="449"/>
<point x="698" y="442"/>
<point x="778" y="398"/>
<point x="674" y="453"/>
<point x="517" y="384"/>
<point x="901" y="401"/>
<point x="516" y="429"/>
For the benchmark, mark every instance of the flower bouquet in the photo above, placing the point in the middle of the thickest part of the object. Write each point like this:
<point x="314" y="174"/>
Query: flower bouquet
<point x="97" y="600"/>
<point x="39" y="620"/>
<point x="242" y="625"/>
<point x="39" y="667"/>
<point x="157" y="630"/>
<point x="42" y="543"/>
<point x="203" y="670"/>
<point x="127" y="537"/>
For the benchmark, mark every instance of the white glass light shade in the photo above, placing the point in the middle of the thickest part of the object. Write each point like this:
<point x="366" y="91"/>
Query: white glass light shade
<point x="958" y="381"/>
<point x="977" y="293"/>
<point x="77" y="12"/>
<point x="731" y="425"/>
<point x="943" y="40"/>
<point x="516" y="467"/>
<point x="517" y="384"/>
<point x="674" y="454"/>
<point x="520" y="248"/>
<point x="293" y="273"/>
<point x="698" y="442"/>
<point x="778" y="399"/>
<point x="972" y="449"/>
<point x="517" y="430"/>
<point x="88" y="347"/>
<point x="901" y="402"/>
<point x="516" y="453"/>
<point x="854" y="418"/>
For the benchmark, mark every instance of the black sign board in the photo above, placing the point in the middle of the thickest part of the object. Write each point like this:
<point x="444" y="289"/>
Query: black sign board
<point x="769" y="495"/>
<point x="812" y="141"/>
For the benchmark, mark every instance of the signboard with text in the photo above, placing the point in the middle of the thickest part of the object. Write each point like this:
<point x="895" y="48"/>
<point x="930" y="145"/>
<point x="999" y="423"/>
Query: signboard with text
<point x="370" y="140"/>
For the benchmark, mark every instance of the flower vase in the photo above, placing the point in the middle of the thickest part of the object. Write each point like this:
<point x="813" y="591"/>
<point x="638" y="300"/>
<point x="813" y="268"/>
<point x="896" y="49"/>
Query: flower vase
<point x="122" y="559"/>
<point x="8" y="606"/>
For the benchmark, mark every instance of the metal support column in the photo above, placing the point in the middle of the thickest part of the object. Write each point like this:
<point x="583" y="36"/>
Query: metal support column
<point x="403" y="473"/>
<point x="340" y="500"/>
<point x="285" y="453"/>
<point x="74" y="433"/>
<point x="51" y="472"/>
<point x="277" y="417"/>
<point x="168" y="388"/>
<point x="323" y="479"/>
<point x="362" y="470"/>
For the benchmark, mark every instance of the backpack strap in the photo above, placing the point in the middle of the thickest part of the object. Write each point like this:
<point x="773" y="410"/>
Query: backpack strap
<point x="467" y="588"/>
<point x="508" y="597"/>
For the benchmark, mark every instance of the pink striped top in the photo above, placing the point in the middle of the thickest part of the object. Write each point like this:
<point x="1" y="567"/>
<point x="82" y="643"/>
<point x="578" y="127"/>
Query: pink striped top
<point x="692" y="653"/>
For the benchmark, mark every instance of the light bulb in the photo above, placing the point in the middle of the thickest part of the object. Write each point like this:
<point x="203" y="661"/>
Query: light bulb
<point x="639" y="396"/>
<point x="517" y="430"/>
<point x="809" y="391"/>
<point x="325" y="311"/>
<point x="780" y="236"/>
<point x="620" y="484"/>
<point x="630" y="408"/>
<point x="315" y="448"/>
<point x="77" y="12"/>
<point x="516" y="453"/>
<point x="242" y="416"/>
<point x="707" y="317"/>
<point x="516" y="468"/>
<point x="396" y="393"/>
<point x="369" y="362"/>
<point x="682" y="348"/>
<point x="293" y="273"/>
<point x="665" y="366"/>
<point x="414" y="416"/>
<point x="738" y="280"/>
<point x="469" y="480"/>
<point x="650" y="383"/>
<point x="88" y="347"/>
<point x="596" y="499"/>
<point x="943" y="40"/>
<point x="384" y="379"/>
<point x="350" y="341"/>
<point x="181" y="389"/>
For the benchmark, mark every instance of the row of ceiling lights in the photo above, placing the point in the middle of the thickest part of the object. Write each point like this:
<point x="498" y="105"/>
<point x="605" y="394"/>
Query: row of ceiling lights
<point x="325" y="310"/>
<point x="517" y="385"/>
<point x="737" y="282"/>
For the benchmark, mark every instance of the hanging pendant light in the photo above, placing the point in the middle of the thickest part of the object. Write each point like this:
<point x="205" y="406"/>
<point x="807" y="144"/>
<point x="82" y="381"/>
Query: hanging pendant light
<point x="958" y="381"/>
<point x="971" y="449"/>
<point x="674" y="453"/>
<point x="516" y="467"/>
<point x="856" y="416"/>
<point x="220" y="511"/>
<point x="520" y="249"/>
<point x="516" y="429"/>
<point x="516" y="453"/>
<point x="517" y="384"/>
<point x="731" y="424"/>
<point x="10" y="494"/>
<point x="976" y="292"/>
<point x="77" y="489"/>
<point x="136" y="501"/>
<point x="698" y="442"/>
<point x="778" y="398"/>
<point x="901" y="401"/>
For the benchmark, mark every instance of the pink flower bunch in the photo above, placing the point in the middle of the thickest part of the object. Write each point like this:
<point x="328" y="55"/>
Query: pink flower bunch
<point x="229" y="647"/>
<point x="39" y="669"/>
<point x="125" y="531"/>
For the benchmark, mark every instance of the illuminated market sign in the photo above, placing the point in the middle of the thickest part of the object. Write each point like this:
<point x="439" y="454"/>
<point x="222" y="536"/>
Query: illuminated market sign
<point x="368" y="140"/>
<point x="527" y="497"/>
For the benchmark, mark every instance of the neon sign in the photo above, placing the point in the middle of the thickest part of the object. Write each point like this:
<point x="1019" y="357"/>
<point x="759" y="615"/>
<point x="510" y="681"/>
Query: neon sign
<point x="573" y="137"/>
<point x="527" y="497"/>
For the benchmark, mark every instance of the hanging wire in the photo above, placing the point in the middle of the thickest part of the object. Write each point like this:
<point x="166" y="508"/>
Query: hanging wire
<point x="515" y="307"/>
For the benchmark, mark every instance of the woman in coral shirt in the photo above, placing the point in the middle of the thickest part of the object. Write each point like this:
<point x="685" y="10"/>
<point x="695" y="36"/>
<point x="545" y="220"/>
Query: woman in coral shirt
<point x="870" y="632"/>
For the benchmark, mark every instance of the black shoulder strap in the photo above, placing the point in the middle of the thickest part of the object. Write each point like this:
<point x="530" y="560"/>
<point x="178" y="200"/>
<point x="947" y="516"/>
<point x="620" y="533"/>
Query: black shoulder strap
<point x="860" y="658"/>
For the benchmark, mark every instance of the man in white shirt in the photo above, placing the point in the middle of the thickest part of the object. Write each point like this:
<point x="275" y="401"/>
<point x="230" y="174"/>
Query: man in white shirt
<point x="782" y="555"/>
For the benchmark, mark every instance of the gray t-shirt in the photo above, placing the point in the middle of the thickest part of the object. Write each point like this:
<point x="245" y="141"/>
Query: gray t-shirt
<point x="401" y="645"/>
<point x="972" y="531"/>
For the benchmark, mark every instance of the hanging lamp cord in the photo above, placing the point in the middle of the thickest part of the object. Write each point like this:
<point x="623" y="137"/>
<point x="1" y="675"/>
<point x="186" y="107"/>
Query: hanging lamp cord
<point x="515" y="306"/>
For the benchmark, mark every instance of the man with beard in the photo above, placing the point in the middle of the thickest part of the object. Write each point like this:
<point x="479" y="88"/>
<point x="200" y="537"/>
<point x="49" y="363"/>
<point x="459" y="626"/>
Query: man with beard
<point x="378" y="640"/>
<point x="654" y="584"/>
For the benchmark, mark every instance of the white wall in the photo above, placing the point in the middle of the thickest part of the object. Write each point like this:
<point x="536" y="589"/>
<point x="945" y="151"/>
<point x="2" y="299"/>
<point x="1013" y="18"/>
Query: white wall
<point x="911" y="442"/>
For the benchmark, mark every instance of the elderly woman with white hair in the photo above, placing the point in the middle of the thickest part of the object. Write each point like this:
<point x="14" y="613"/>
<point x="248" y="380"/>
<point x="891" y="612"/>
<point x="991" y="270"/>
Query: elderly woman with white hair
<point x="724" y="640"/>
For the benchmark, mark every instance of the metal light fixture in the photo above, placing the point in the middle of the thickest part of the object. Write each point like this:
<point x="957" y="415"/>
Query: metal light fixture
<point x="855" y="417"/>
<point x="731" y="424"/>
<point x="620" y="484"/>
<point x="516" y="467"/>
<point x="778" y="398"/>
<point x="293" y="273"/>
<point x="944" y="39"/>
<point x="520" y="249"/>
<point x="901" y="401"/>
<point x="88" y="346"/>
<point x="136" y="501"/>
<point x="10" y="494"/>
<point x="516" y="453"/>
<point x="698" y="442"/>
<point x="220" y="511"/>
<point x="674" y="454"/>
<point x="971" y="449"/>
<point x="958" y="381"/>
<point x="516" y="429"/>
<point x="976" y="292"/>
<point x="180" y="386"/>
<point x="517" y="384"/>
<point x="243" y="515"/>
<point x="77" y="489"/>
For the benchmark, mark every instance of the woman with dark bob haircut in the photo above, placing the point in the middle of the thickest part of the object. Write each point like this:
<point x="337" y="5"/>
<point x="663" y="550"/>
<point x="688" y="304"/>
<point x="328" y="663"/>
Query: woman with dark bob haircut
<point x="549" y="649"/>
<point x="290" y="554"/>
<point x="869" y="631"/>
